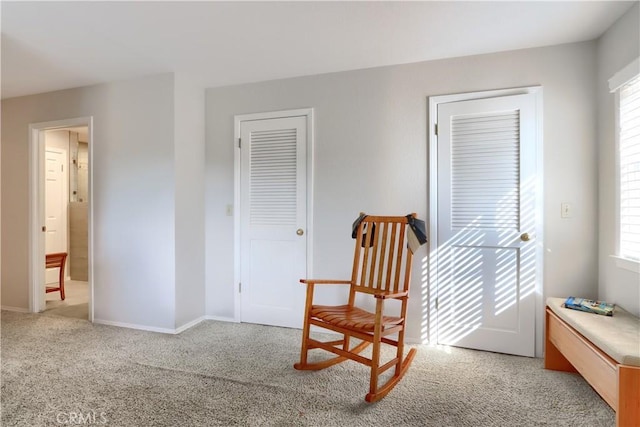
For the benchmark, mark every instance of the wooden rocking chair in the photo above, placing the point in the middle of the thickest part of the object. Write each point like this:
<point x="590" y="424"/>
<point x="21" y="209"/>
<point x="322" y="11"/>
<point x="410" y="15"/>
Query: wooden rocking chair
<point x="57" y="260"/>
<point x="381" y="270"/>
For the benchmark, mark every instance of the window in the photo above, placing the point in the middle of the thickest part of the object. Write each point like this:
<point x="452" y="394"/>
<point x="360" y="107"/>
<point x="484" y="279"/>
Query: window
<point x="629" y="175"/>
<point x="626" y="84"/>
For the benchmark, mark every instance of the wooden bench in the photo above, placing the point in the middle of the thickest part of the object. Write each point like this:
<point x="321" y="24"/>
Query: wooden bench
<point x="604" y="350"/>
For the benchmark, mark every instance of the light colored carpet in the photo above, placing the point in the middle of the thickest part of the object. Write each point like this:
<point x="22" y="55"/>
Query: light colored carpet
<point x="75" y="303"/>
<point x="224" y="374"/>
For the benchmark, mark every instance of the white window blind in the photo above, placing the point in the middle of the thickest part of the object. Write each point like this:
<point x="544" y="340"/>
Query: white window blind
<point x="629" y="161"/>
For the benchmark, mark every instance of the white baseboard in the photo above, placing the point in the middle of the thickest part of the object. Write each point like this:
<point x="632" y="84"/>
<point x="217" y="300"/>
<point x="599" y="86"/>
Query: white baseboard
<point x="221" y="319"/>
<point x="16" y="309"/>
<point x="189" y="324"/>
<point x="151" y="328"/>
<point x="134" y="326"/>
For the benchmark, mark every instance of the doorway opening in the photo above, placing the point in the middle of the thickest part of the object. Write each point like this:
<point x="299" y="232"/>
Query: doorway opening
<point x="61" y="218"/>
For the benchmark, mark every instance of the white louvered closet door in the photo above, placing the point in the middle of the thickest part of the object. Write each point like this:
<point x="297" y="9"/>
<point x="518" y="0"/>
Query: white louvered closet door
<point x="486" y="219"/>
<point x="273" y="221"/>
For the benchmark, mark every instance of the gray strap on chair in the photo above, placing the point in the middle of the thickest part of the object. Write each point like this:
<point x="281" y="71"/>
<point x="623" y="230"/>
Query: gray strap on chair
<point x="418" y="234"/>
<point x="354" y="230"/>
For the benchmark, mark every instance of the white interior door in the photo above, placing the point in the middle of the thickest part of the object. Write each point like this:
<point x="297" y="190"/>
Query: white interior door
<point x="55" y="206"/>
<point x="273" y="229"/>
<point x="486" y="263"/>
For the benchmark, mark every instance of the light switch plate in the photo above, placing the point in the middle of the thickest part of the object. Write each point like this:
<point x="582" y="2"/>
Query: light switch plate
<point x="566" y="210"/>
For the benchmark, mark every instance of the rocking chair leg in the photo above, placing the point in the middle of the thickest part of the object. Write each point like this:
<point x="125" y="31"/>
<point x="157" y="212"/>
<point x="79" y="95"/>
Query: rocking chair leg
<point x="305" y="329"/>
<point x="62" y="286"/>
<point x="304" y="350"/>
<point x="375" y="356"/>
<point x="400" y="346"/>
<point x="389" y="385"/>
<point x="375" y="360"/>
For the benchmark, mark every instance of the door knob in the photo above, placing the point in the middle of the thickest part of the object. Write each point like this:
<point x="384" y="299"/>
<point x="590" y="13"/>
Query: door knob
<point x="525" y="237"/>
<point x="299" y="231"/>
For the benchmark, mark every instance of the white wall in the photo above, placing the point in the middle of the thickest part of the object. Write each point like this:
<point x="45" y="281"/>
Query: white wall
<point x="189" y="177"/>
<point x="58" y="139"/>
<point x="133" y="195"/>
<point x="616" y="48"/>
<point x="371" y="155"/>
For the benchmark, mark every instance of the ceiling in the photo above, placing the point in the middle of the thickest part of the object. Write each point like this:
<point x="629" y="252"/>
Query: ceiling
<point x="49" y="46"/>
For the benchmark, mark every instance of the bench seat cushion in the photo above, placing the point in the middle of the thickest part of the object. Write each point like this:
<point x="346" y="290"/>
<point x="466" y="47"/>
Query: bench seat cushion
<point x="617" y="335"/>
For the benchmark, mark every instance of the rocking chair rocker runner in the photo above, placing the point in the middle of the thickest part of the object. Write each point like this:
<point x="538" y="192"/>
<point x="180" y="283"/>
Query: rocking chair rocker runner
<point x="381" y="270"/>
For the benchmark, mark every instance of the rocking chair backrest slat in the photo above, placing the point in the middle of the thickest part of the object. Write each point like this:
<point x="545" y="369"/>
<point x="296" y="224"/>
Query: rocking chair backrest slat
<point x="392" y="249"/>
<point x="373" y="252"/>
<point x="402" y="245"/>
<point x="381" y="256"/>
<point x="382" y="261"/>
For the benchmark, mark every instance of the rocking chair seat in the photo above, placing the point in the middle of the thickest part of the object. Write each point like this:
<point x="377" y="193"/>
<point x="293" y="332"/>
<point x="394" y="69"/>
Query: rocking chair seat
<point x="352" y="318"/>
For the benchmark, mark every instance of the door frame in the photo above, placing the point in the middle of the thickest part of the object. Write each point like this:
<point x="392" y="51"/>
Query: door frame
<point x="36" y="208"/>
<point x="237" y="122"/>
<point x="434" y="102"/>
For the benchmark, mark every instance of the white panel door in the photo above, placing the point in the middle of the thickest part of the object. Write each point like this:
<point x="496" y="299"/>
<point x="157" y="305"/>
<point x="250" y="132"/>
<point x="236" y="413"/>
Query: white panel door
<point x="273" y="226"/>
<point x="55" y="206"/>
<point x="486" y="219"/>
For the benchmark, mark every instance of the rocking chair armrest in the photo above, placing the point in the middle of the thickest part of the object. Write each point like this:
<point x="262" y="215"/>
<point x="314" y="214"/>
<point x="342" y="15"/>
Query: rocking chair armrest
<point x="325" y="282"/>
<point x="387" y="295"/>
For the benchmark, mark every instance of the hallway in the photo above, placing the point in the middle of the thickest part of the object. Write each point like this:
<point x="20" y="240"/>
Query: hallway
<point x="75" y="304"/>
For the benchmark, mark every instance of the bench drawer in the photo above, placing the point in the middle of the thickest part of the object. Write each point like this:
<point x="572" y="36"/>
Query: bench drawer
<point x="597" y="368"/>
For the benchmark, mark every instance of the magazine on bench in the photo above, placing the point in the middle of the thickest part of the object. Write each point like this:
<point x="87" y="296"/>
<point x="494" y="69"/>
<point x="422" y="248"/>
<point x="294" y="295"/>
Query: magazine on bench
<point x="590" y="306"/>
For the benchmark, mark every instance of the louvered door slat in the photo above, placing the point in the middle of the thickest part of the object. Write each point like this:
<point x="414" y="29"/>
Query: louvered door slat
<point x="273" y="177"/>
<point x="485" y="171"/>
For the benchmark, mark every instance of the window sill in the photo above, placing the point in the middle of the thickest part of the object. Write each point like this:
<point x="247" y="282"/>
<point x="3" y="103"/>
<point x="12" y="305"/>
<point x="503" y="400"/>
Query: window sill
<point x="627" y="264"/>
